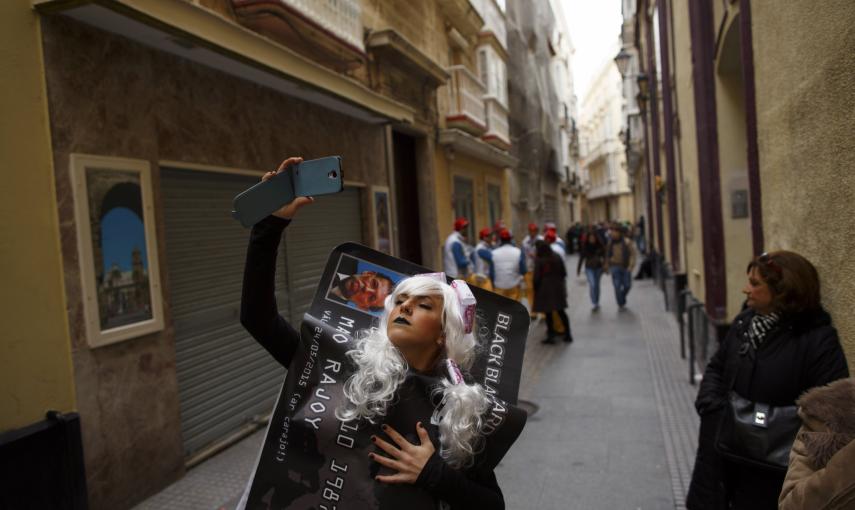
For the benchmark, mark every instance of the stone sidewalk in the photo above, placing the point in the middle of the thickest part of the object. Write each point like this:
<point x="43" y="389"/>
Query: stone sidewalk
<point x="615" y="427"/>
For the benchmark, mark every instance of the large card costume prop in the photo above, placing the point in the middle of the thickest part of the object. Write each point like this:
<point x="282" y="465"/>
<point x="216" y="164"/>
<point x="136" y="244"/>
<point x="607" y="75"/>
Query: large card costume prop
<point x="312" y="460"/>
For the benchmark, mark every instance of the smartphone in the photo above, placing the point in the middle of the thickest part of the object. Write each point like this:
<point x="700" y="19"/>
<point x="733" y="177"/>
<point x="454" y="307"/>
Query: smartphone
<point x="307" y="179"/>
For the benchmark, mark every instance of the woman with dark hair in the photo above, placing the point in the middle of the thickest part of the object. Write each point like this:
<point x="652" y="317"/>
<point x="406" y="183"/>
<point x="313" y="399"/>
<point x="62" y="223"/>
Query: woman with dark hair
<point x="550" y="289"/>
<point x="592" y="253"/>
<point x="780" y="346"/>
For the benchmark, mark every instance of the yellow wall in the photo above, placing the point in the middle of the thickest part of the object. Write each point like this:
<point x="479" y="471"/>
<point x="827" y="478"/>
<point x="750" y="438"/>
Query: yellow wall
<point x="733" y="163"/>
<point x="35" y="352"/>
<point x="687" y="153"/>
<point x="481" y="174"/>
<point x="805" y="92"/>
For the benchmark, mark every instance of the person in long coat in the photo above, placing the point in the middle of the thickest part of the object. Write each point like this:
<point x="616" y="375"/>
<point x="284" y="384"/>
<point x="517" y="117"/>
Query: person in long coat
<point x="550" y="289"/>
<point x="782" y="345"/>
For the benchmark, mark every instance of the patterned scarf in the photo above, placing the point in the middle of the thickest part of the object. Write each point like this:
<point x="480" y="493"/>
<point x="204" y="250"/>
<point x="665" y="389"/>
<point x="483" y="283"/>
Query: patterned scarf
<point x="760" y="327"/>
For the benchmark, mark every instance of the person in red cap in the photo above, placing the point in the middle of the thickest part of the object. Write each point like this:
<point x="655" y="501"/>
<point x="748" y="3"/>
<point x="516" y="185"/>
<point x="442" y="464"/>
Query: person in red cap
<point x="528" y="246"/>
<point x="482" y="261"/>
<point x="509" y="267"/>
<point x="556" y="243"/>
<point x="455" y="252"/>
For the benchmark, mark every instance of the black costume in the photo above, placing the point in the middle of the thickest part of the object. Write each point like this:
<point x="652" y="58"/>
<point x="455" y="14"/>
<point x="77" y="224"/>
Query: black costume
<point x="802" y="352"/>
<point x="470" y="488"/>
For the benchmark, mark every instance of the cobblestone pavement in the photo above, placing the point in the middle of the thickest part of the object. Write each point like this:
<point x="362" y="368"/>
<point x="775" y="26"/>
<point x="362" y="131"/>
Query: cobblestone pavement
<point x="615" y="427"/>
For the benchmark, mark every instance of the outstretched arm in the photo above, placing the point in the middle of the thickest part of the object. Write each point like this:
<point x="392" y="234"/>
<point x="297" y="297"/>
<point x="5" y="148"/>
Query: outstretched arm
<point x="258" y="311"/>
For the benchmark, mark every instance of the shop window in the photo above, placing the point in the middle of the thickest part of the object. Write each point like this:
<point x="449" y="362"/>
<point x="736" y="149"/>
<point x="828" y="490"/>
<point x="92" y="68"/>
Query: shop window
<point x="464" y="198"/>
<point x="494" y="203"/>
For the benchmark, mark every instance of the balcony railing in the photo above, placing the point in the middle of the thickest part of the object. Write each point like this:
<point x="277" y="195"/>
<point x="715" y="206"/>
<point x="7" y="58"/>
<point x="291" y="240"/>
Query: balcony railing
<point x="341" y="17"/>
<point x="338" y="18"/>
<point x="494" y="20"/>
<point x="466" y="103"/>
<point x="498" y="132"/>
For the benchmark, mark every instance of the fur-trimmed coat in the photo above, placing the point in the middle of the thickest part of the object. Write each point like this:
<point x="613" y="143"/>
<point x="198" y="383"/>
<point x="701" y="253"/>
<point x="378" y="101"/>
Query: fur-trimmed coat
<point x="821" y="475"/>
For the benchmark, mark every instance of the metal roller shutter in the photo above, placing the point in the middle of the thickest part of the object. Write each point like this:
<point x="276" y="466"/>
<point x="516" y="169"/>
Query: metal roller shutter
<point x="225" y="378"/>
<point x="330" y="221"/>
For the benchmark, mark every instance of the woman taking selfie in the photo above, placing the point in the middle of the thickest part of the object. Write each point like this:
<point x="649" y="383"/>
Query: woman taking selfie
<point x="780" y="346"/>
<point x="420" y="336"/>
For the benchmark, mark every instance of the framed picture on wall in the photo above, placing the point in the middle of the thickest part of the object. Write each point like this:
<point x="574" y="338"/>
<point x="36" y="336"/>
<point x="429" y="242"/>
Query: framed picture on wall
<point x="382" y="219"/>
<point x="117" y="248"/>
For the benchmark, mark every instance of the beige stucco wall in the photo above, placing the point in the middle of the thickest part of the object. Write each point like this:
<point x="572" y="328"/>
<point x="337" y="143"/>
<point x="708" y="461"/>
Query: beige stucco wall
<point x="110" y="96"/>
<point x="733" y="163"/>
<point x="686" y="153"/>
<point x="805" y="98"/>
<point x="35" y="350"/>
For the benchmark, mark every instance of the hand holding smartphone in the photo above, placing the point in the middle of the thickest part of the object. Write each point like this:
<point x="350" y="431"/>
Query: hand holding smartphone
<point x="308" y="178"/>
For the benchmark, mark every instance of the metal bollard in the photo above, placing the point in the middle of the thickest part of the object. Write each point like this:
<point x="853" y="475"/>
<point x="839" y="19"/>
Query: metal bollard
<point x="681" y="309"/>
<point x="690" y="311"/>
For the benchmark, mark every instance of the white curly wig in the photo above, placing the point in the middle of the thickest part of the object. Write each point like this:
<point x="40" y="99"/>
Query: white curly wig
<point x="381" y="368"/>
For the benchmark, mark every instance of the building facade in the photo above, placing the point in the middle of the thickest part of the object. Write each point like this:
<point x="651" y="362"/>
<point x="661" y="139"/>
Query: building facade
<point x="473" y="158"/>
<point x="721" y="100"/>
<point x="542" y="116"/>
<point x="609" y="197"/>
<point x="151" y="116"/>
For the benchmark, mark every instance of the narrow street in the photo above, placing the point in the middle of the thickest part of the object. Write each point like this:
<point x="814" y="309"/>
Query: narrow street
<point x="615" y="427"/>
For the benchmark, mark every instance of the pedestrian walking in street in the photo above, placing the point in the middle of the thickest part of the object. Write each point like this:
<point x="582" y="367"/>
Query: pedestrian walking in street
<point x="620" y="259"/>
<point x="593" y="255"/>
<point x="455" y="252"/>
<point x="528" y="246"/>
<point x="551" y="231"/>
<point x="821" y="472"/>
<point x="509" y="267"/>
<point x="552" y="240"/>
<point x="550" y="289"/>
<point x="421" y="334"/>
<point x="640" y="241"/>
<point x="573" y="238"/>
<point x="782" y="345"/>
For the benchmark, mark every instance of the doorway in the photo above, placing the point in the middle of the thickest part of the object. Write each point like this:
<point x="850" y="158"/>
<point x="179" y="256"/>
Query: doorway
<point x="407" y="197"/>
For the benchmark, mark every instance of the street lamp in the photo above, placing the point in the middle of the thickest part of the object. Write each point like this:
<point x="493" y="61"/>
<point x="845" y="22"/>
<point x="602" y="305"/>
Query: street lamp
<point x="622" y="61"/>
<point x="641" y="100"/>
<point x="642" y="84"/>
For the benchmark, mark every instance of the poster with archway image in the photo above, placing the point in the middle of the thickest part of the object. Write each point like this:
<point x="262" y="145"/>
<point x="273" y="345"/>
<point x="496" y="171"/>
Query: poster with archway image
<point x="381" y="213"/>
<point x="117" y="247"/>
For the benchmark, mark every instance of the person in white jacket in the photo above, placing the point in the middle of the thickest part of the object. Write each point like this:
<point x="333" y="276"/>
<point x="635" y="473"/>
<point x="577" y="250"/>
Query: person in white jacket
<point x="482" y="256"/>
<point x="509" y="265"/>
<point x="528" y="246"/>
<point x="455" y="252"/>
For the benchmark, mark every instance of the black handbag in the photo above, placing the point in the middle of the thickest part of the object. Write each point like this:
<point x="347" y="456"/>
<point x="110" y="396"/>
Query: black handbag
<point x="755" y="433"/>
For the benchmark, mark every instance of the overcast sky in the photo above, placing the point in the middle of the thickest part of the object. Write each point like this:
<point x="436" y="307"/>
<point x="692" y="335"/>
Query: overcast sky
<point x="594" y="29"/>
